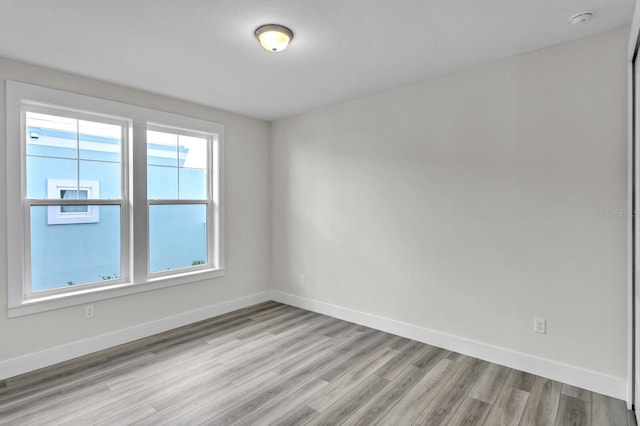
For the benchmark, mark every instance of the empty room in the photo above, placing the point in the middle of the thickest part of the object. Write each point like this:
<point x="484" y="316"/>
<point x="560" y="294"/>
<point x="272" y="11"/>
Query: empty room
<point x="288" y="212"/>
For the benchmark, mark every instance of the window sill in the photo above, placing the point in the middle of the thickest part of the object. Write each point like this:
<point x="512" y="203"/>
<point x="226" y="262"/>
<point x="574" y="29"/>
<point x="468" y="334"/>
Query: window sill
<point x="95" y="294"/>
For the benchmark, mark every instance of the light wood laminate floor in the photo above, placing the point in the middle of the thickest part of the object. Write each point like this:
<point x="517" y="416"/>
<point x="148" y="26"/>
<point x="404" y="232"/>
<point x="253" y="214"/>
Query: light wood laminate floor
<point x="275" y="364"/>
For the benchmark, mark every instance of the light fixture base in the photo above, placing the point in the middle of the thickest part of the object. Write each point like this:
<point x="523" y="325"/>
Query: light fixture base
<point x="274" y="37"/>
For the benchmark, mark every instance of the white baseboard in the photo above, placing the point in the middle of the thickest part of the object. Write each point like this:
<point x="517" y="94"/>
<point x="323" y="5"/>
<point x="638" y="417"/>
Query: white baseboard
<point x="596" y="382"/>
<point x="30" y="362"/>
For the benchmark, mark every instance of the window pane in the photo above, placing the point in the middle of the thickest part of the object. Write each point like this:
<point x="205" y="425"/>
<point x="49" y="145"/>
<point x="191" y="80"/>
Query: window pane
<point x="193" y="168"/>
<point x="40" y="170"/>
<point x="193" y="152"/>
<point x="107" y="175"/>
<point x="193" y="184"/>
<point x="74" y="254"/>
<point x="100" y="141"/>
<point x="177" y="236"/>
<point x="162" y="149"/>
<point x="176" y="166"/>
<point x="162" y="183"/>
<point x="51" y="136"/>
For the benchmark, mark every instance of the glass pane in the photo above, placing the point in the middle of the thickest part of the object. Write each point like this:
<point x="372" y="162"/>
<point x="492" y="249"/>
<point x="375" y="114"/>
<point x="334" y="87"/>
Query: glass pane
<point x="162" y="183"/>
<point x="193" y="184"/>
<point x="177" y="236"/>
<point x="193" y="168"/>
<point x="51" y="136"/>
<point x="41" y="170"/>
<point x="64" y="255"/>
<point x="100" y="141"/>
<point x="193" y="152"/>
<point x="162" y="149"/>
<point x="104" y="178"/>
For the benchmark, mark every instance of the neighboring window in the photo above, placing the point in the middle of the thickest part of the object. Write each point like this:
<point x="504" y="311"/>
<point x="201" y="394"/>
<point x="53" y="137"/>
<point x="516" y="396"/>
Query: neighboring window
<point x="117" y="199"/>
<point x="72" y="190"/>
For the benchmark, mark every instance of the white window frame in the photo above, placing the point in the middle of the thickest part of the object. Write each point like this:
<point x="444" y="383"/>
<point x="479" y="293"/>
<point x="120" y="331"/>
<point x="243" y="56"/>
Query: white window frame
<point x="55" y="215"/>
<point x="208" y="201"/>
<point x="135" y="276"/>
<point x="40" y="300"/>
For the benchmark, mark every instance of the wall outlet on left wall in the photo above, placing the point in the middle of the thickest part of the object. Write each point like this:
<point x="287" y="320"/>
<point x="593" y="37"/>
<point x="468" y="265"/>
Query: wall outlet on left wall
<point x="89" y="312"/>
<point x="540" y="325"/>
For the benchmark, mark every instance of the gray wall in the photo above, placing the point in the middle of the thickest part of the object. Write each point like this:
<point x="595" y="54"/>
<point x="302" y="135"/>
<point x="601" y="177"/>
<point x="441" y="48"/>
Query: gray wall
<point x="247" y="226"/>
<point x="470" y="203"/>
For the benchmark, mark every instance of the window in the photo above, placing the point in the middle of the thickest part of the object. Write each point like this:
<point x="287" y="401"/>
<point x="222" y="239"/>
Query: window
<point x="115" y="199"/>
<point x="179" y="160"/>
<point x="72" y="190"/>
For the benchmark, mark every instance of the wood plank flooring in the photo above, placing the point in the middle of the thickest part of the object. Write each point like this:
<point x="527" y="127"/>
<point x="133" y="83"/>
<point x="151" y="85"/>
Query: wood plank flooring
<point x="275" y="364"/>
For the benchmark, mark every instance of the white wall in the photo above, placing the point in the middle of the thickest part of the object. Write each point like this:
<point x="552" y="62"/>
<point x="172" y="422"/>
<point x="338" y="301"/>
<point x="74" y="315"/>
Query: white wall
<point x="247" y="226"/>
<point x="466" y="204"/>
<point x="470" y="203"/>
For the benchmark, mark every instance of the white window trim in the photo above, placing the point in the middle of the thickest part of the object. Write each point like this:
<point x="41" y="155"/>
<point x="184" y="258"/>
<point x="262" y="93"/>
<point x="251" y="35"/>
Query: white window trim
<point x="55" y="215"/>
<point x="38" y="299"/>
<point x="208" y="202"/>
<point x="135" y="276"/>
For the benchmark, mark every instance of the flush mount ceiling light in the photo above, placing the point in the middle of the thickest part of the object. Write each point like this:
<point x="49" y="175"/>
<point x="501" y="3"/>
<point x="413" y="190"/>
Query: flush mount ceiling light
<point x="580" y="18"/>
<point x="273" y="37"/>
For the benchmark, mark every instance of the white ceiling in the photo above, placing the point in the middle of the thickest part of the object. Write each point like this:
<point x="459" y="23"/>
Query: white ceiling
<point x="205" y="51"/>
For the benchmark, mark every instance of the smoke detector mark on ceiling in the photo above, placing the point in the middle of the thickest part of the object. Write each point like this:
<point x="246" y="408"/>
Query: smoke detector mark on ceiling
<point x="581" y="17"/>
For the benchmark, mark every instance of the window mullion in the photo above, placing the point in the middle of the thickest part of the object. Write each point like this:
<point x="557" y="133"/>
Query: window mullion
<point x="137" y="169"/>
<point x="78" y="154"/>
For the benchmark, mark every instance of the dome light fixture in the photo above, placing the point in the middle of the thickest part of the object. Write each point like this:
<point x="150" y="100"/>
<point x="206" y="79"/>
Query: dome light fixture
<point x="580" y="18"/>
<point x="274" y="37"/>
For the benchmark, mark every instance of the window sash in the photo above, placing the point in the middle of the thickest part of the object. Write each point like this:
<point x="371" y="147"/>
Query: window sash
<point x="212" y="247"/>
<point x="124" y="123"/>
<point x="57" y="111"/>
<point x="212" y="147"/>
<point x="29" y="294"/>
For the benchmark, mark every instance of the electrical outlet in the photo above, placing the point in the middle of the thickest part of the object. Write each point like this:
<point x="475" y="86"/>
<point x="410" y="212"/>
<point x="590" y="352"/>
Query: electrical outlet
<point x="302" y="279"/>
<point x="89" y="312"/>
<point x="540" y="325"/>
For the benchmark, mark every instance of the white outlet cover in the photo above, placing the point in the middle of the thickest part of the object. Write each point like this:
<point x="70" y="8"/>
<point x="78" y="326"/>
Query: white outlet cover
<point x="89" y="311"/>
<point x="540" y="326"/>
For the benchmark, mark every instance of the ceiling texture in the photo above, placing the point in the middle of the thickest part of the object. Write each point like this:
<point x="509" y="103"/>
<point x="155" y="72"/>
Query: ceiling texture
<point x="205" y="51"/>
